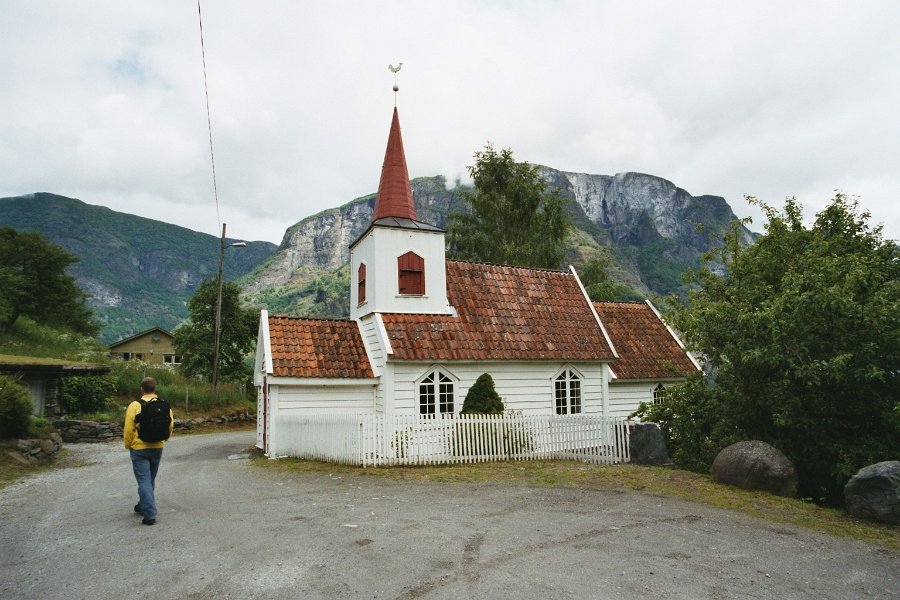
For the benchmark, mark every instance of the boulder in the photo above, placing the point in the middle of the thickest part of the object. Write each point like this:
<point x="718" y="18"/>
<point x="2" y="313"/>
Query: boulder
<point x="874" y="492"/>
<point x="755" y="465"/>
<point x="647" y="445"/>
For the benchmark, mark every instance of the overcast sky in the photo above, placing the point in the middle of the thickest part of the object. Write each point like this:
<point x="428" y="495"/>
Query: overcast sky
<point x="104" y="101"/>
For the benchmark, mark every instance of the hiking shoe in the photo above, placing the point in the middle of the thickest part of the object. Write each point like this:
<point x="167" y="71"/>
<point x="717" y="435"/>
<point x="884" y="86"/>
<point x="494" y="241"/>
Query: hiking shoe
<point x="148" y="521"/>
<point x="137" y="508"/>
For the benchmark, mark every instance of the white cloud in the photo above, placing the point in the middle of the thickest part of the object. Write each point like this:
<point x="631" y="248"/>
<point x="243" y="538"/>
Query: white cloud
<point x="106" y="102"/>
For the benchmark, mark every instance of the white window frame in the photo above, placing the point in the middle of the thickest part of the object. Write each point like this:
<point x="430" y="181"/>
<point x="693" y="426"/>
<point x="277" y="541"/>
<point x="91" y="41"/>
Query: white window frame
<point x="574" y="402"/>
<point x="659" y="394"/>
<point x="451" y="380"/>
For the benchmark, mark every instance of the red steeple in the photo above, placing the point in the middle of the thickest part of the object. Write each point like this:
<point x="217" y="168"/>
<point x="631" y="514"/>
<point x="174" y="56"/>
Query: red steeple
<point x="395" y="197"/>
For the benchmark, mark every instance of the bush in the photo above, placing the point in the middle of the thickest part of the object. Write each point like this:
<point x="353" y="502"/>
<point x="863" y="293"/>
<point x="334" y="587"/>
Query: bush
<point x="171" y="385"/>
<point x="482" y="398"/>
<point x="691" y="419"/>
<point x="39" y="427"/>
<point x="127" y="374"/>
<point x="15" y="408"/>
<point x="87" y="394"/>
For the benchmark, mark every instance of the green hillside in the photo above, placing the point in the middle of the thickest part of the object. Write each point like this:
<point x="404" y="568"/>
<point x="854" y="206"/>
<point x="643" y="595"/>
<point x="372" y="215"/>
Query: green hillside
<point x="138" y="272"/>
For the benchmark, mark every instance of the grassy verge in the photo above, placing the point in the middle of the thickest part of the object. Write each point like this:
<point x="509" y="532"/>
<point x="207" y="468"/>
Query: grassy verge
<point x="657" y="481"/>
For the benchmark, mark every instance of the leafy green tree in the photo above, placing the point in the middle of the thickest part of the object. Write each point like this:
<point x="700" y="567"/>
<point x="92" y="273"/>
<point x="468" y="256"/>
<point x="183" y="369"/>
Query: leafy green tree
<point x="34" y="283"/>
<point x="594" y="275"/>
<point x="511" y="218"/>
<point x="482" y="398"/>
<point x="802" y="336"/>
<point x="194" y="338"/>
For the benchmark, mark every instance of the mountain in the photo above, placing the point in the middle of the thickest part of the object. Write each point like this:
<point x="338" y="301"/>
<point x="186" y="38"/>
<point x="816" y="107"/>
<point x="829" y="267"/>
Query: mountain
<point x="138" y="273"/>
<point x="653" y="229"/>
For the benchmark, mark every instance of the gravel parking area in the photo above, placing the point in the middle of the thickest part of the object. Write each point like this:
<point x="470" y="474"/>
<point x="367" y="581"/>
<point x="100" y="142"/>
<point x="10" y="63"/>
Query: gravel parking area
<point x="227" y="529"/>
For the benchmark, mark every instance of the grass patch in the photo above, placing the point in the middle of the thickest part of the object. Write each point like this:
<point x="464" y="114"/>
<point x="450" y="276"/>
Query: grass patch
<point x="31" y="339"/>
<point x="658" y="481"/>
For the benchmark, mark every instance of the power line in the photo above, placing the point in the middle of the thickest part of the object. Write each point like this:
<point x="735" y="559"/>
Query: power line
<point x="212" y="157"/>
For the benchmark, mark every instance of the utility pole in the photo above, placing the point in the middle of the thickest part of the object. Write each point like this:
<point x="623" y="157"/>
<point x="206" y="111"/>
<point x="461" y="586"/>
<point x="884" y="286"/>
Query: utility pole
<point x="217" y="332"/>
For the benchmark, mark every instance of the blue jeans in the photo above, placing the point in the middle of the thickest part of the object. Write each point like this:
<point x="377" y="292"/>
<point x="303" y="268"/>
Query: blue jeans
<point x="145" y="464"/>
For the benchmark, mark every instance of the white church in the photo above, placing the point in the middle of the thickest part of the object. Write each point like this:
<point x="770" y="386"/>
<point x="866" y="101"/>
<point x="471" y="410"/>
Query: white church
<point x="423" y="328"/>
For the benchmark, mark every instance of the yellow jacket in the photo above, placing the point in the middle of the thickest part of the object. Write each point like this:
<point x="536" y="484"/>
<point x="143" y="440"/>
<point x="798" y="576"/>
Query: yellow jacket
<point x="132" y="441"/>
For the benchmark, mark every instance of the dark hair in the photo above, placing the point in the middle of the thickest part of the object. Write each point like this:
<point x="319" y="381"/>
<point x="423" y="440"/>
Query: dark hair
<point x="148" y="385"/>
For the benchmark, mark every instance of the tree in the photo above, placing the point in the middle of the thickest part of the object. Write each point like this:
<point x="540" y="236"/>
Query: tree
<point x="34" y="283"/>
<point x="194" y="338"/>
<point x="599" y="285"/>
<point x="482" y="398"/>
<point x="802" y="336"/>
<point x="511" y="218"/>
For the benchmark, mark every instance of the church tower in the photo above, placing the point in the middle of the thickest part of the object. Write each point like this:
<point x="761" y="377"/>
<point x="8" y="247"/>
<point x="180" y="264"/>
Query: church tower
<point x="397" y="264"/>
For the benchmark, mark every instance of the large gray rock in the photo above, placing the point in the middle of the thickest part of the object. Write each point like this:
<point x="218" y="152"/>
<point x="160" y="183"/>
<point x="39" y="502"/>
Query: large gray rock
<point x="647" y="445"/>
<point x="755" y="465"/>
<point x="874" y="492"/>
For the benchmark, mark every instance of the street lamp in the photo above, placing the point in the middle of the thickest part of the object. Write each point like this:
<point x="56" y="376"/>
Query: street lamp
<point x="217" y="332"/>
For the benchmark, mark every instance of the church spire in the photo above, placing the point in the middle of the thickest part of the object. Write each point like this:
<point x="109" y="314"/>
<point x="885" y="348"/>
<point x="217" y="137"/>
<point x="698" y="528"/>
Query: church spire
<point x="395" y="197"/>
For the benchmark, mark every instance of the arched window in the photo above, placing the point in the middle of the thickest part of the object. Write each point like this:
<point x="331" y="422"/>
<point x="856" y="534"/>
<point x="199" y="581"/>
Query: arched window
<point x="436" y="394"/>
<point x="361" y="283"/>
<point x="659" y="394"/>
<point x="567" y="393"/>
<point x="411" y="274"/>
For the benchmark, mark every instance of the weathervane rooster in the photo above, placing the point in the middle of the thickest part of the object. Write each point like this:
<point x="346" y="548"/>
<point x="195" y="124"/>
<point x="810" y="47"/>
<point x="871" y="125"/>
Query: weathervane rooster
<point x="395" y="70"/>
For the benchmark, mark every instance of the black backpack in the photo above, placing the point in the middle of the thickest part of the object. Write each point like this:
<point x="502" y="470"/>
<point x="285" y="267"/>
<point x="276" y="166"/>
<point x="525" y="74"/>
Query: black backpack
<point x="154" y="420"/>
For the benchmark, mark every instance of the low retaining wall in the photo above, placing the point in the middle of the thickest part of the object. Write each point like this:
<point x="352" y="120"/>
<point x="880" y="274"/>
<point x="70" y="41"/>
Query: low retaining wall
<point x="38" y="451"/>
<point x="80" y="432"/>
<point x="92" y="432"/>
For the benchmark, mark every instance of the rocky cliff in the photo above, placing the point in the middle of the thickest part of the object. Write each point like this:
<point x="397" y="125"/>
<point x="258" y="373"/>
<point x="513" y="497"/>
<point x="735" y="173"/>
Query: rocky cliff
<point x="654" y="230"/>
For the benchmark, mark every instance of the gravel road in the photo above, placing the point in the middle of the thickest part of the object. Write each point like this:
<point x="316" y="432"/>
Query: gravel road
<point x="227" y="529"/>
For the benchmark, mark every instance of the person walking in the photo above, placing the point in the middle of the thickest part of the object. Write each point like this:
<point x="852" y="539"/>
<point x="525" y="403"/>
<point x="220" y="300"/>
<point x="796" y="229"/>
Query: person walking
<point x="148" y="424"/>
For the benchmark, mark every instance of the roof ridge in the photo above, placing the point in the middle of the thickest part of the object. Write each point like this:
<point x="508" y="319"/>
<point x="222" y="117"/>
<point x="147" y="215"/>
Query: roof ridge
<point x="296" y="318"/>
<point x="490" y="264"/>
<point x="625" y="302"/>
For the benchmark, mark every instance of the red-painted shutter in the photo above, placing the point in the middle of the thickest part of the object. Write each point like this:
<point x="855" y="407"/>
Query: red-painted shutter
<point x="411" y="274"/>
<point x="361" y="283"/>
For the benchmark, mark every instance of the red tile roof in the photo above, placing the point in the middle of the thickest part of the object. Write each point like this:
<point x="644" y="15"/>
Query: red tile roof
<point x="504" y="313"/>
<point x="327" y="348"/>
<point x="644" y="344"/>
<point x="395" y="198"/>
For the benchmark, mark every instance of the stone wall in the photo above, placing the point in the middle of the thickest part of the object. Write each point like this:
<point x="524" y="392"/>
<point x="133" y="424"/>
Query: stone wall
<point x="89" y="432"/>
<point x="38" y="451"/>
<point x="79" y="432"/>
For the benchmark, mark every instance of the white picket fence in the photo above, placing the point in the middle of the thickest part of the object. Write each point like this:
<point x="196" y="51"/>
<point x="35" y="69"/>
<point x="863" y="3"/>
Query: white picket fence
<point x="374" y="440"/>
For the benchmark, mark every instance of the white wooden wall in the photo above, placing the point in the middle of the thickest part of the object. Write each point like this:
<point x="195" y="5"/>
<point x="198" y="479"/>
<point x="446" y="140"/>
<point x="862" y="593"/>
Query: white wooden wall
<point x="318" y="399"/>
<point x="523" y="386"/>
<point x="624" y="398"/>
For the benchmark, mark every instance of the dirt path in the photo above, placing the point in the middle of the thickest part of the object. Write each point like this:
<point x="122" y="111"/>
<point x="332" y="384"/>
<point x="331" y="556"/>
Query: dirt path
<point x="229" y="530"/>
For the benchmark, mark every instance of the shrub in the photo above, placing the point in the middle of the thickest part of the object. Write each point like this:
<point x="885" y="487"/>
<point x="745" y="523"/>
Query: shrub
<point x="39" y="427"/>
<point x="691" y="419"/>
<point x="15" y="408"/>
<point x="482" y="398"/>
<point x="173" y="386"/>
<point x="87" y="394"/>
<point x="127" y="375"/>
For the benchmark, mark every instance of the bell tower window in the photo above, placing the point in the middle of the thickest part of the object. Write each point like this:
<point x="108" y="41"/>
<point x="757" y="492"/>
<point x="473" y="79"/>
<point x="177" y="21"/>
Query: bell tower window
<point x="361" y="283"/>
<point x="411" y="274"/>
